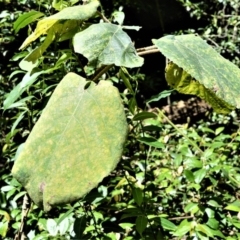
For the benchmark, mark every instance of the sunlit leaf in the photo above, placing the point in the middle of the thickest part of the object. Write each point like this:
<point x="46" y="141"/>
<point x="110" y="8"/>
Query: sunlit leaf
<point x="191" y="207"/>
<point x="235" y="206"/>
<point x="25" y="19"/>
<point x="166" y="224"/>
<point x="77" y="141"/>
<point x="107" y="44"/>
<point x="52" y="227"/>
<point x="118" y="17"/>
<point x="205" y="229"/>
<point x="26" y="82"/>
<point x="199" y="175"/>
<point x="183" y="228"/>
<point x="184" y="83"/>
<point x="204" y="64"/>
<point x="63" y="22"/>
<point x="60" y="4"/>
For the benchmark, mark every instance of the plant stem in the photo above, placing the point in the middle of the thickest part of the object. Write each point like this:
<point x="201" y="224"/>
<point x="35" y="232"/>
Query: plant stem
<point x="25" y="209"/>
<point x="103" y="17"/>
<point x="148" y="52"/>
<point x="146" y="48"/>
<point x="104" y="70"/>
<point x="180" y="218"/>
<point x="181" y="132"/>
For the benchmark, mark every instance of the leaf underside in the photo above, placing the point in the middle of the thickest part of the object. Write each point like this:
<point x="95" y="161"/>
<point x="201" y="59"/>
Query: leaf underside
<point x="77" y="141"/>
<point x="203" y="63"/>
<point x="184" y="83"/>
<point x="63" y="22"/>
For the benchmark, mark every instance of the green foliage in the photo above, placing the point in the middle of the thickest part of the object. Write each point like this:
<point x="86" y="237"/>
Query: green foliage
<point x="173" y="181"/>
<point x="204" y="64"/>
<point x="107" y="44"/>
<point x="94" y="115"/>
<point x="184" y="83"/>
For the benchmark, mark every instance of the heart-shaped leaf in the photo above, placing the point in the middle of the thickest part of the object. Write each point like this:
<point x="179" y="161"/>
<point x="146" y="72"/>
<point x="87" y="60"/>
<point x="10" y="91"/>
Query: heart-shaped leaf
<point x="107" y="44"/>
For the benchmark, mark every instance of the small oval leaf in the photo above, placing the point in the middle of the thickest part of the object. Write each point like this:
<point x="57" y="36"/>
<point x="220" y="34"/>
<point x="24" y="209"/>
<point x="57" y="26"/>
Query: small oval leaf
<point x="144" y="115"/>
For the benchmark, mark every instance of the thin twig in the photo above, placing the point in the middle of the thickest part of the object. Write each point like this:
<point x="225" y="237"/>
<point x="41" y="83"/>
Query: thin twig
<point x="146" y="48"/>
<point x="179" y="218"/>
<point x="103" y="17"/>
<point x="148" y="52"/>
<point x="105" y="69"/>
<point x="25" y="209"/>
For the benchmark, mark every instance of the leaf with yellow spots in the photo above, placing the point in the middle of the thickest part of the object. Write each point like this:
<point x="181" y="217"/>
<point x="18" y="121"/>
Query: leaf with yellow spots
<point x="186" y="84"/>
<point x="77" y="141"/>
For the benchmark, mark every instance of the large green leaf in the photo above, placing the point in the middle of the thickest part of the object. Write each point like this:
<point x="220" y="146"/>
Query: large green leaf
<point x="107" y="44"/>
<point x="77" y="141"/>
<point x="204" y="64"/>
<point x="184" y="83"/>
<point x="63" y="22"/>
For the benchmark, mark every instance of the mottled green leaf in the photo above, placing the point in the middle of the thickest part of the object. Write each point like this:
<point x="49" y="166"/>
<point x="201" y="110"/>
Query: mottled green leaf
<point x="204" y="64"/>
<point x="25" y="19"/>
<point x="77" y="141"/>
<point x="107" y="44"/>
<point x="63" y="22"/>
<point x="184" y="83"/>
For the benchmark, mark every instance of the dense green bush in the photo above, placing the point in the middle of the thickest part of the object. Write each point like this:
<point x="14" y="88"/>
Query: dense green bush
<point x="185" y="184"/>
